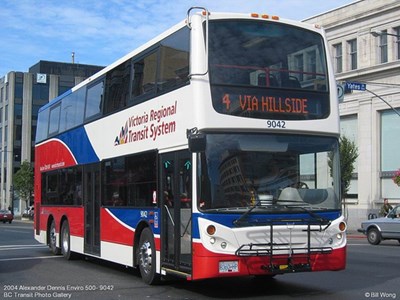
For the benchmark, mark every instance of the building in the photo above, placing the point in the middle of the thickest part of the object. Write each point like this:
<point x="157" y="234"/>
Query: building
<point x="21" y="96"/>
<point x="364" y="39"/>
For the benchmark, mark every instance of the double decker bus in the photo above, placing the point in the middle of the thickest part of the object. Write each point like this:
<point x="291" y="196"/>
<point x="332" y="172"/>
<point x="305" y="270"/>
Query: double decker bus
<point x="211" y="151"/>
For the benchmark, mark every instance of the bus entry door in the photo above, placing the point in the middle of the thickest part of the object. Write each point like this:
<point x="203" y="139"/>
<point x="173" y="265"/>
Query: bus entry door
<point x="176" y="203"/>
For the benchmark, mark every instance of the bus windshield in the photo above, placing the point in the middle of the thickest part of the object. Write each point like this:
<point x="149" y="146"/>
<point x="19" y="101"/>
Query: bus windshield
<point x="263" y="69"/>
<point x="274" y="171"/>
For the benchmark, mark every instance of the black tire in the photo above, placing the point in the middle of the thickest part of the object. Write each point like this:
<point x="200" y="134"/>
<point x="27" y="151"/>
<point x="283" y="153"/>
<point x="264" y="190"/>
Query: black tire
<point x="10" y="221"/>
<point x="374" y="236"/>
<point x="66" y="242"/>
<point x="146" y="254"/>
<point x="53" y="239"/>
<point x="264" y="278"/>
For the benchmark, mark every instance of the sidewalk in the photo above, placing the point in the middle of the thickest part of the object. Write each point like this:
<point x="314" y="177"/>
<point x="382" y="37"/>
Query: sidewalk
<point x="353" y="234"/>
<point x="22" y="219"/>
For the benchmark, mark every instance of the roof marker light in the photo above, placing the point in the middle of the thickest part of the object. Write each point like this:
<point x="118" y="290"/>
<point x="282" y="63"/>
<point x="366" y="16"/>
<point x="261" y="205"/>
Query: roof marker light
<point x="276" y="18"/>
<point x="254" y="15"/>
<point x="265" y="16"/>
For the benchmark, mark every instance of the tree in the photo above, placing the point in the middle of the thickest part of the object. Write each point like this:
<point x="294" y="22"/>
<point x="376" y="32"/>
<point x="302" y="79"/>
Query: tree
<point x="23" y="181"/>
<point x="348" y="155"/>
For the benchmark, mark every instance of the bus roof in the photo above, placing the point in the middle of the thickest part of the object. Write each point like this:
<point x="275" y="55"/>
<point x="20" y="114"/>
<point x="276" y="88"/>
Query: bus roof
<point x="55" y="100"/>
<point x="155" y="40"/>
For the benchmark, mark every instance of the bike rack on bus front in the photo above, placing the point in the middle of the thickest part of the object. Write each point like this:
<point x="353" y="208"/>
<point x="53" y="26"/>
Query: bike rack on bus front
<point x="284" y="258"/>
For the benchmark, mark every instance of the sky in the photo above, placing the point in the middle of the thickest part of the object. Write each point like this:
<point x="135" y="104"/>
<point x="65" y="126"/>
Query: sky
<point x="100" y="32"/>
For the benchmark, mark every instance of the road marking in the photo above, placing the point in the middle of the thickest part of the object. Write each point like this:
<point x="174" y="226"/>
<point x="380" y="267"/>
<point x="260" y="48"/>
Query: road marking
<point x="29" y="258"/>
<point x="21" y="247"/>
<point x="19" y="231"/>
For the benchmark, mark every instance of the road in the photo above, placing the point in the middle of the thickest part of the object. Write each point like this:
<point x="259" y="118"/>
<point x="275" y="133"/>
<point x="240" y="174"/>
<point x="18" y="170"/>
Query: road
<point x="27" y="269"/>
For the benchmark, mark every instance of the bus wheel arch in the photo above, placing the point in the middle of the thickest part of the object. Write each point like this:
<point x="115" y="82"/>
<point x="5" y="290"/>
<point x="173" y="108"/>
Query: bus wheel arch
<point x="146" y="257"/>
<point x="138" y="232"/>
<point x="52" y="236"/>
<point x="65" y="240"/>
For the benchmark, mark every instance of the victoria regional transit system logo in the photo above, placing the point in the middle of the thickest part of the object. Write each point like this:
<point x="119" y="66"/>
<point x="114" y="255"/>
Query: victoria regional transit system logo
<point x="148" y="126"/>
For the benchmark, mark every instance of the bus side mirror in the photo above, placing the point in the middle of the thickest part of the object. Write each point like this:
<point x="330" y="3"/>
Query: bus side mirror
<point x="196" y="140"/>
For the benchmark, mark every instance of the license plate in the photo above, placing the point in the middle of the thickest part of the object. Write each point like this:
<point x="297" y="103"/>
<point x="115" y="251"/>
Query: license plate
<point x="228" y="266"/>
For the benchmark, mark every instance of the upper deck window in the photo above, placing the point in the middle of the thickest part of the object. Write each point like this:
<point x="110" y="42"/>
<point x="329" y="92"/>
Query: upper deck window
<point x="271" y="69"/>
<point x="94" y="100"/>
<point x="54" y="119"/>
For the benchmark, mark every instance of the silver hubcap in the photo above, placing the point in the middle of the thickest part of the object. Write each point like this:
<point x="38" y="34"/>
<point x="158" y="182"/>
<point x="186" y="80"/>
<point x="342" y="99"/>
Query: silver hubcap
<point x="372" y="236"/>
<point x="65" y="243"/>
<point x="53" y="236"/>
<point x="145" y="256"/>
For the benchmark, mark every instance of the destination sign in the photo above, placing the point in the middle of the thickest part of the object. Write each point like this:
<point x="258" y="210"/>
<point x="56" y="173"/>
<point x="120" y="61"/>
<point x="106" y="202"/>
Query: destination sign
<point x="267" y="104"/>
<point x="270" y="104"/>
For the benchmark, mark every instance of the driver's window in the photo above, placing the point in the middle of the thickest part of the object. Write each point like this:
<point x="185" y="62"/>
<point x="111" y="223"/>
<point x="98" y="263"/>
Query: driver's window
<point x="396" y="212"/>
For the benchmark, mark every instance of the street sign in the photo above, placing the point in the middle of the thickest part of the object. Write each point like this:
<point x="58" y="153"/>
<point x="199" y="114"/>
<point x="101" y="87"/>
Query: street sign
<point x="357" y="86"/>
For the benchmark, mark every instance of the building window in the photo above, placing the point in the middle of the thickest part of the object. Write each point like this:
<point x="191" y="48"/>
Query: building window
<point x="312" y="64"/>
<point x="390" y="160"/>
<point x="40" y="91"/>
<point x="353" y="54"/>
<point x="383" y="47"/>
<point x="338" y="58"/>
<point x="299" y="66"/>
<point x="397" y="46"/>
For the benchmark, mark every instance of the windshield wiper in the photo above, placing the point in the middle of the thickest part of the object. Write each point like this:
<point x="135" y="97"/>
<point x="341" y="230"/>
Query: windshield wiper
<point x="258" y="202"/>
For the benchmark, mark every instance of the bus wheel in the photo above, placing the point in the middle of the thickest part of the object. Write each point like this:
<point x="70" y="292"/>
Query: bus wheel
<point x="66" y="241"/>
<point x="146" y="254"/>
<point x="53" y="239"/>
<point x="374" y="236"/>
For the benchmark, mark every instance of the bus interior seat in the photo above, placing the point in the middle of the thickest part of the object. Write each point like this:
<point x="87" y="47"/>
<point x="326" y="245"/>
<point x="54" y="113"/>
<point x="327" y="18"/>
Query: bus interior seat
<point x="319" y="197"/>
<point x="262" y="80"/>
<point x="294" y="82"/>
<point x="316" y="197"/>
<point x="289" y="195"/>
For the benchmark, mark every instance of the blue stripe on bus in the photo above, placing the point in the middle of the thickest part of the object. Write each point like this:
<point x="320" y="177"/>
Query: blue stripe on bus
<point x="132" y="217"/>
<point x="228" y="219"/>
<point x="78" y="142"/>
